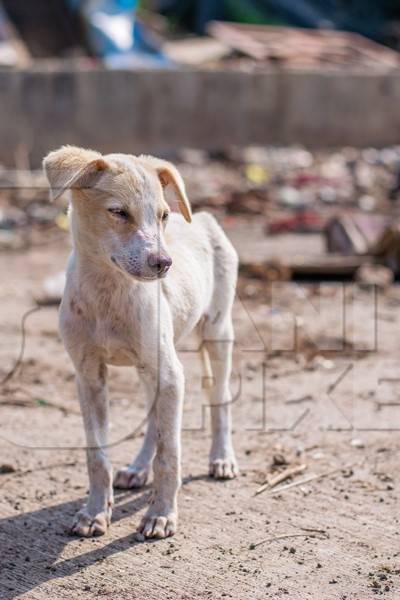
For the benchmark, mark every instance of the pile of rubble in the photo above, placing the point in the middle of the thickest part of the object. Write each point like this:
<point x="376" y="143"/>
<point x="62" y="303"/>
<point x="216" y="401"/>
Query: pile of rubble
<point x="293" y="178"/>
<point x="348" y="196"/>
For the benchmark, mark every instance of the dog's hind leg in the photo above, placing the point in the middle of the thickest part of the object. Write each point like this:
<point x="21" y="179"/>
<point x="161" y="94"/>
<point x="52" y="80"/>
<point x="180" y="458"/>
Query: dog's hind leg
<point x="222" y="458"/>
<point x="218" y="340"/>
<point x="136" y="474"/>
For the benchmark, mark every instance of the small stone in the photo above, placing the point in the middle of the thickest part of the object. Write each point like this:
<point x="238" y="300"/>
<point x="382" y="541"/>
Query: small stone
<point x="357" y="443"/>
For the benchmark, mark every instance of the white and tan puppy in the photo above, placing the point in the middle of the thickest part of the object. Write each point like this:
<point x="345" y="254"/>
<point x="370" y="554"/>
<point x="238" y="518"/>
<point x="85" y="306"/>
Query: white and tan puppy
<point x="139" y="280"/>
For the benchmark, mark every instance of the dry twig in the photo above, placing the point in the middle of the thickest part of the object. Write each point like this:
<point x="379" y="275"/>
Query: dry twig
<point x="306" y="398"/>
<point x="289" y="472"/>
<point x="311" y="533"/>
<point x="288" y="486"/>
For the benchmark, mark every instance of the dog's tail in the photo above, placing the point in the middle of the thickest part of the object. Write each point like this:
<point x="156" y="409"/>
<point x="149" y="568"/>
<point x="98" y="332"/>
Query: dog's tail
<point x="208" y="378"/>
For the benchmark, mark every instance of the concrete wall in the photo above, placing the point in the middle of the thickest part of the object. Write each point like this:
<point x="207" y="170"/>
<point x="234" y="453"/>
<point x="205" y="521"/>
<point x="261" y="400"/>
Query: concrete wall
<point x="149" y="111"/>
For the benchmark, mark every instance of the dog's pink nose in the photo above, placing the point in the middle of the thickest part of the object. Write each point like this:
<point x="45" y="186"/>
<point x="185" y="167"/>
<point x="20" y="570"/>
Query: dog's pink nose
<point x="159" y="263"/>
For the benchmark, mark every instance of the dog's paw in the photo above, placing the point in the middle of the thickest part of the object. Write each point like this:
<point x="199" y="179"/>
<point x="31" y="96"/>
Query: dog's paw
<point x="129" y="478"/>
<point x="88" y="525"/>
<point x="223" y="468"/>
<point x="157" y="526"/>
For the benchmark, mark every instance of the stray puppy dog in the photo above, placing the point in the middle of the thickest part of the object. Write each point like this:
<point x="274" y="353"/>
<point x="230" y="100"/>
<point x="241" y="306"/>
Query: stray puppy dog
<point x="138" y="281"/>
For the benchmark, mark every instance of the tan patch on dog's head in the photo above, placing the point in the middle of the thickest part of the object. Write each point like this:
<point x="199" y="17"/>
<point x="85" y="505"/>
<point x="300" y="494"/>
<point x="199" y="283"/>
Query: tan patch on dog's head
<point x="124" y="176"/>
<point x="119" y="206"/>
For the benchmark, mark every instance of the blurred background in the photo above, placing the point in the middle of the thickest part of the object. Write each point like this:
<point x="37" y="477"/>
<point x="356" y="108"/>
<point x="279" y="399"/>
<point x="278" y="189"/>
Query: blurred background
<point x="283" y="118"/>
<point x="282" y="115"/>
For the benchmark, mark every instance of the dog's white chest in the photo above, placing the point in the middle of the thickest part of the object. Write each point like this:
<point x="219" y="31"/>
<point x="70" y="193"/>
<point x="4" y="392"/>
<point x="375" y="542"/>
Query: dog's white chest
<point x="116" y="344"/>
<point x="121" y="358"/>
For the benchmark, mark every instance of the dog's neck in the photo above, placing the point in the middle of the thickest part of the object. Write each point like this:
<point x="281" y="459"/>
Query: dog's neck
<point x="98" y="273"/>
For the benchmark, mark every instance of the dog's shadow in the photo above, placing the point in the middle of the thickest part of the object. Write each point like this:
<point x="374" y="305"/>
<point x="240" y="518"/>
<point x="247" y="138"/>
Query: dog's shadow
<point x="32" y="542"/>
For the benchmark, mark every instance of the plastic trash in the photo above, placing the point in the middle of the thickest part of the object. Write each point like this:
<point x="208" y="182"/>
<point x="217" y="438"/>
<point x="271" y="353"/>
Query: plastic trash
<point x="256" y="174"/>
<point x="53" y="289"/>
<point x="115" y="35"/>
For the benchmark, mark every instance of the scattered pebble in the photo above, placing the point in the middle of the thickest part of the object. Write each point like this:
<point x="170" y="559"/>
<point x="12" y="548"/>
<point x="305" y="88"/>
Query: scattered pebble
<point x="357" y="443"/>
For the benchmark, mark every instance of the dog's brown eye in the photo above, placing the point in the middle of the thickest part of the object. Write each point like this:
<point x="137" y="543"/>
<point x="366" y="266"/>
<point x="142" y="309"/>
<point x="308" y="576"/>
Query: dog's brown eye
<point x="164" y="216"/>
<point x="119" y="212"/>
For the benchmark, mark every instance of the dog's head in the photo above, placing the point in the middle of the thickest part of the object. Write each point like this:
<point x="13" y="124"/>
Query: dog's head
<point x="119" y="208"/>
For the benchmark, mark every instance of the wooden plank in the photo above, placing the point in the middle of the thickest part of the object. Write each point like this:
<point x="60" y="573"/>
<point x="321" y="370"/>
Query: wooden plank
<point x="295" y="46"/>
<point x="195" y="51"/>
<point x="333" y="265"/>
<point x="288" y="254"/>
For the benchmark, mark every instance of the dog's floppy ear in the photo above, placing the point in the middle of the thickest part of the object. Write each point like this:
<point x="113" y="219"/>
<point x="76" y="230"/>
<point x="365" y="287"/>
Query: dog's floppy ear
<point x="72" y="167"/>
<point x="168" y="174"/>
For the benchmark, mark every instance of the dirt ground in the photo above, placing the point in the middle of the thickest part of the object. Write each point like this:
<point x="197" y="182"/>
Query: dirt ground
<point x="314" y="384"/>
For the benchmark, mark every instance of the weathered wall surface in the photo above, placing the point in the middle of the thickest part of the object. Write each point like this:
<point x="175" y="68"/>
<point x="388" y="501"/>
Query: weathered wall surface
<point x="142" y="111"/>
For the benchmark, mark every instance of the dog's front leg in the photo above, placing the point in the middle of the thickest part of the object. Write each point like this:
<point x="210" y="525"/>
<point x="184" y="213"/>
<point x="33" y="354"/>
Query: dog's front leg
<point x="160" y="521"/>
<point x="94" y="517"/>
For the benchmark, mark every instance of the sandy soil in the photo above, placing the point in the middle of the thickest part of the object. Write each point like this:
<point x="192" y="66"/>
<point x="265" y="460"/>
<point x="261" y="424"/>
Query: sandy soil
<point x="314" y="385"/>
